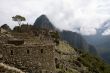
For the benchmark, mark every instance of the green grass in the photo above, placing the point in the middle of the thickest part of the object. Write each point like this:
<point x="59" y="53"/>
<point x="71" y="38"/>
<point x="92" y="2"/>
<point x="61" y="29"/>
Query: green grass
<point x="64" y="47"/>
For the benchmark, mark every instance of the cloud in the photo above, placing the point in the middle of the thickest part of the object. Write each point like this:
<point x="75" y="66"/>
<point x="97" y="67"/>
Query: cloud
<point x="83" y="16"/>
<point x="107" y="32"/>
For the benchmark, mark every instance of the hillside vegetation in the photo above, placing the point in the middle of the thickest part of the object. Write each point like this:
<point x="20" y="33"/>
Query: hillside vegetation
<point x="81" y="62"/>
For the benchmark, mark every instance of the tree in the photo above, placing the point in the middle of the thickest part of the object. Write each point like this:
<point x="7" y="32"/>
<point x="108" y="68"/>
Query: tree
<point x="19" y="19"/>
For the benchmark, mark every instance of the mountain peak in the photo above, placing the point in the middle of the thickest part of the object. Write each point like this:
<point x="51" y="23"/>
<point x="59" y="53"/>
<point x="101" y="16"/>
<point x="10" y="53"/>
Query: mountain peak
<point x="43" y="22"/>
<point x="43" y="16"/>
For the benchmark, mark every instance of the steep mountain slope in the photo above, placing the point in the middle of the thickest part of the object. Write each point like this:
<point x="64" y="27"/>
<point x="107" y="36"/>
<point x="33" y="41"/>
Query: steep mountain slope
<point x="76" y="61"/>
<point x="102" y="45"/>
<point x="101" y="42"/>
<point x="75" y="39"/>
<point x="43" y="22"/>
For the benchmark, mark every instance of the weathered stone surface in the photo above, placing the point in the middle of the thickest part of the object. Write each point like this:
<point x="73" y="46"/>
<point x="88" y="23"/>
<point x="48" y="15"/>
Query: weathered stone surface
<point x="33" y="56"/>
<point x="2" y="30"/>
<point x="29" y="56"/>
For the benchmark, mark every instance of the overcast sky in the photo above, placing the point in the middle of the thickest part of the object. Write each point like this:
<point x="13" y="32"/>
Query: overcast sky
<point x="88" y="15"/>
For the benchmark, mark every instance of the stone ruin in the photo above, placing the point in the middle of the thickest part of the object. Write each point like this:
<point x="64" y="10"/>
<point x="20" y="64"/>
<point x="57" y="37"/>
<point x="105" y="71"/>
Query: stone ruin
<point x="31" y="58"/>
<point x="2" y="30"/>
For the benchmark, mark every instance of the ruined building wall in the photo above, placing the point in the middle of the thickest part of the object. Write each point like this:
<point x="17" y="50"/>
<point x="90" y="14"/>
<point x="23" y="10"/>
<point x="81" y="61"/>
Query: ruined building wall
<point x="33" y="57"/>
<point x="2" y="30"/>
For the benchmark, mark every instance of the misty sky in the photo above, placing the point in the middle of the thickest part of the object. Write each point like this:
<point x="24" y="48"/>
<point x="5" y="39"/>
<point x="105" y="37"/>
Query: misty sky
<point x="83" y="16"/>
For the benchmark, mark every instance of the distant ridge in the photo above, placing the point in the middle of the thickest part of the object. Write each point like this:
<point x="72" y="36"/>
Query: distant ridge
<point x="77" y="41"/>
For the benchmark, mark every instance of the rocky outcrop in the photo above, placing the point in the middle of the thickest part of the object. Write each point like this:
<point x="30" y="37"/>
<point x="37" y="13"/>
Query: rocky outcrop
<point x="8" y="69"/>
<point x="6" y="27"/>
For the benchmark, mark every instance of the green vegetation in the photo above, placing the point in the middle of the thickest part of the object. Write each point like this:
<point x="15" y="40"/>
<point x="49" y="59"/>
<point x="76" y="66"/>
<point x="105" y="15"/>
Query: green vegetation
<point x="68" y="71"/>
<point x="18" y="18"/>
<point x="93" y="63"/>
<point x="64" y="47"/>
<point x="83" y="62"/>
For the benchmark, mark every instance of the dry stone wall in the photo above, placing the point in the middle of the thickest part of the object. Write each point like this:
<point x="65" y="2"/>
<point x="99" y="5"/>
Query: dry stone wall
<point x="35" y="57"/>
